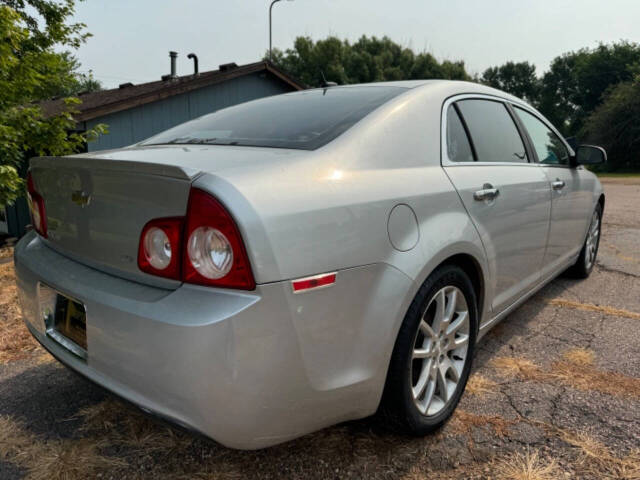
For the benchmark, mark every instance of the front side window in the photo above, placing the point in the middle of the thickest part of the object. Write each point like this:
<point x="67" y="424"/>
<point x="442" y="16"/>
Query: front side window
<point x="303" y="120"/>
<point x="493" y="132"/>
<point x="458" y="146"/>
<point x="548" y="146"/>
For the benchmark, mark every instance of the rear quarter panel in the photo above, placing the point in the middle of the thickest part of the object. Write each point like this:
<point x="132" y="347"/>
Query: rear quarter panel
<point x="329" y="210"/>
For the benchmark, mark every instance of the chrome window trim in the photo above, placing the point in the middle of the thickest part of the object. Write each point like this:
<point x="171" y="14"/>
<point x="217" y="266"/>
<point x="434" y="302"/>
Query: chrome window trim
<point x="546" y="123"/>
<point x="445" y="161"/>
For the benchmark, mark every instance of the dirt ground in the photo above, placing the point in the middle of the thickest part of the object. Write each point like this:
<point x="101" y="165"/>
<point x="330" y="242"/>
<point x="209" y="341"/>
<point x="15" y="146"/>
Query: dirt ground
<point x="555" y="393"/>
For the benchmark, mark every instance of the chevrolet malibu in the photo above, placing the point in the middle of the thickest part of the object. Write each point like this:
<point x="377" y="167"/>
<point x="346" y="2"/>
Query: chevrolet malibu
<point x="301" y="260"/>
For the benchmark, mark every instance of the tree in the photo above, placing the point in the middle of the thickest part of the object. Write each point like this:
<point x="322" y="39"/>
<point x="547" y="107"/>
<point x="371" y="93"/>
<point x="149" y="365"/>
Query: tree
<point x="576" y="82"/>
<point x="34" y="66"/>
<point x="370" y="59"/>
<point x="518" y="79"/>
<point x="615" y="124"/>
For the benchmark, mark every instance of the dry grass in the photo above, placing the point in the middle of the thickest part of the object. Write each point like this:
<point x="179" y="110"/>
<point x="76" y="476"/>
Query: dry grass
<point x="13" y="439"/>
<point x="598" y="460"/>
<point x="68" y="459"/>
<point x="122" y="425"/>
<point x="52" y="459"/>
<point x="519" y="367"/>
<point x="576" y="369"/>
<point x="579" y="356"/>
<point x="526" y="466"/>
<point x="480" y="385"/>
<point x="7" y="276"/>
<point x="6" y="252"/>
<point x="15" y="340"/>
<point x="589" y="307"/>
<point x="463" y="422"/>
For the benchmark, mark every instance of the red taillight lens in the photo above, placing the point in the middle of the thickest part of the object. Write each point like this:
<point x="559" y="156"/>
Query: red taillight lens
<point x="205" y="248"/>
<point x="36" y="208"/>
<point x="160" y="249"/>
<point x="214" y="252"/>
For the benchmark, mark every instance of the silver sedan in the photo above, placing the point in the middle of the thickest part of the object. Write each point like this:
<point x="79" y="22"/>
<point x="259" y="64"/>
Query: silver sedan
<point x="301" y="260"/>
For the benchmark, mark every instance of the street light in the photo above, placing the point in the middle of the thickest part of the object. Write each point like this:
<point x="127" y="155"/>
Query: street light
<point x="270" y="7"/>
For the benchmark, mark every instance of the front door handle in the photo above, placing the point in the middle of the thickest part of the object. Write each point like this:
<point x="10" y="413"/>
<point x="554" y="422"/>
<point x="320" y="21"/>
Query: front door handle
<point x="558" y="184"/>
<point x="487" y="193"/>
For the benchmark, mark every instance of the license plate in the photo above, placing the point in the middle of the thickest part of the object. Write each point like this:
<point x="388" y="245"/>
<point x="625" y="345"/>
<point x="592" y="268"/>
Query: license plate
<point x="65" y="320"/>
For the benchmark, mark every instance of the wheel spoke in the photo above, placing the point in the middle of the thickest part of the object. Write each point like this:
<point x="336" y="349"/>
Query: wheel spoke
<point x="461" y="321"/>
<point x="460" y="341"/>
<point x="449" y="367"/>
<point x="428" y="396"/>
<point x="419" y="353"/>
<point x="439" y="314"/>
<point x="419" y="387"/>
<point x="442" y="385"/>
<point x="427" y="330"/>
<point x="451" y="305"/>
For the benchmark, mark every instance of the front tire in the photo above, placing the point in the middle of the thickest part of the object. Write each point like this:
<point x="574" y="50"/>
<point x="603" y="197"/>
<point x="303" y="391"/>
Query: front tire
<point x="433" y="353"/>
<point x="587" y="258"/>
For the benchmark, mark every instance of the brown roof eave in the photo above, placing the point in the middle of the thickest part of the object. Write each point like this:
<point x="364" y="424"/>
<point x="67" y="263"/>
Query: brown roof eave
<point x="184" y="87"/>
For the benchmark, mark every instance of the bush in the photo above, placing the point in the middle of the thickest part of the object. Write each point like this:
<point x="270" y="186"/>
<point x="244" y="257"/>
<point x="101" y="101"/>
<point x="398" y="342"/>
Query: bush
<point x="615" y="125"/>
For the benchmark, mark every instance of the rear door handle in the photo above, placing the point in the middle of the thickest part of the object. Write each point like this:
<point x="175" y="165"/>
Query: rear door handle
<point x="558" y="184"/>
<point x="488" y="192"/>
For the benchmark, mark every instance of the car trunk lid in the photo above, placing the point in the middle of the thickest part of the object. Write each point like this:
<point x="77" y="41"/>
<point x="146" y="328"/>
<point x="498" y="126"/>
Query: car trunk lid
<point x="96" y="208"/>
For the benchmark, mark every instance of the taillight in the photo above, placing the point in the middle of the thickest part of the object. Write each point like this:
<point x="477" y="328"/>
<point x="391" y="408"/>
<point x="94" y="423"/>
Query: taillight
<point x="36" y="208"/>
<point x="160" y="247"/>
<point x="214" y="252"/>
<point x="205" y="247"/>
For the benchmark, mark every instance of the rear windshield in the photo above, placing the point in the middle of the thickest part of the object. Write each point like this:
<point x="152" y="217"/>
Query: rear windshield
<point x="302" y="120"/>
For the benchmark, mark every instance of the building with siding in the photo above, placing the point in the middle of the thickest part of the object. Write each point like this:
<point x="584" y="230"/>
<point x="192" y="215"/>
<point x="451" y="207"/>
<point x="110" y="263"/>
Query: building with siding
<point x="135" y="112"/>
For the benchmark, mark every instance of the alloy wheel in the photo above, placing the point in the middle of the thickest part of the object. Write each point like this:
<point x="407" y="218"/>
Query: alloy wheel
<point x="591" y="245"/>
<point x="440" y="350"/>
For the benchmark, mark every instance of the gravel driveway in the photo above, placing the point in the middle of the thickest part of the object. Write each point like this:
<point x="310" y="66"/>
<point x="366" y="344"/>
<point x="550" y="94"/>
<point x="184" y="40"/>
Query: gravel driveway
<point x="555" y="392"/>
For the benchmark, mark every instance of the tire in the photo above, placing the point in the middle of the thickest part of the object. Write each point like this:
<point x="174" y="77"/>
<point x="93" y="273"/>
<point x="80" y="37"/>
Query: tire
<point x="587" y="258"/>
<point x="401" y="408"/>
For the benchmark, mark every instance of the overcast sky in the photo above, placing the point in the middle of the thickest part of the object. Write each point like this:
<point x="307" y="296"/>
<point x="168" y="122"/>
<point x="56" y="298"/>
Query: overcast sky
<point x="132" y="37"/>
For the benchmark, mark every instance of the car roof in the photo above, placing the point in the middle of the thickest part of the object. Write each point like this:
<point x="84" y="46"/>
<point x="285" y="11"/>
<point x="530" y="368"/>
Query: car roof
<point x="452" y="87"/>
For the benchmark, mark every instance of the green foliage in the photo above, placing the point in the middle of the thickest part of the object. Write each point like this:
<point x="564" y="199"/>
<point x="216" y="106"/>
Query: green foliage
<point x="518" y="79"/>
<point x="588" y="93"/>
<point x="32" y="68"/>
<point x="615" y="125"/>
<point x="370" y="59"/>
<point x="576" y="82"/>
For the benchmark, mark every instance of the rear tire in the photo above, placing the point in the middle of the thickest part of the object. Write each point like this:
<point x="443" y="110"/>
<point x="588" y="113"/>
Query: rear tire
<point x="587" y="258"/>
<point x="433" y="353"/>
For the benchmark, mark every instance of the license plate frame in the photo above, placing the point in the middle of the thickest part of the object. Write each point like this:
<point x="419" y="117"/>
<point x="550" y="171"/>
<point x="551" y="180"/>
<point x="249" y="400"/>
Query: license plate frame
<point x="65" y="320"/>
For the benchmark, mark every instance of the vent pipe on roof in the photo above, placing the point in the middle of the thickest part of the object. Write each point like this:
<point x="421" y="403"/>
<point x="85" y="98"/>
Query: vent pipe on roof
<point x="195" y="62"/>
<point x="173" y="56"/>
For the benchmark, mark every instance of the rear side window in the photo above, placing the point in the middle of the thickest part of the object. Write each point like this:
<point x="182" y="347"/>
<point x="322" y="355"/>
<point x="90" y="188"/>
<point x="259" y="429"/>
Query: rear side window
<point x="493" y="131"/>
<point x="458" y="146"/>
<point x="548" y="146"/>
<point x="302" y="120"/>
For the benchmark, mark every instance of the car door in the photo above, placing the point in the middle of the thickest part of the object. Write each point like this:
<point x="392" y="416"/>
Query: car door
<point x="507" y="196"/>
<point x="572" y="191"/>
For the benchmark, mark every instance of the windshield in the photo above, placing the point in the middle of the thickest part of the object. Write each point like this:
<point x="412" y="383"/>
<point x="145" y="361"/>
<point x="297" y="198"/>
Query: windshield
<point x="303" y="120"/>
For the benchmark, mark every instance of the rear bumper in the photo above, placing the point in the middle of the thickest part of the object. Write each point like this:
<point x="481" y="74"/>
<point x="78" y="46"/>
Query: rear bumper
<point x="248" y="369"/>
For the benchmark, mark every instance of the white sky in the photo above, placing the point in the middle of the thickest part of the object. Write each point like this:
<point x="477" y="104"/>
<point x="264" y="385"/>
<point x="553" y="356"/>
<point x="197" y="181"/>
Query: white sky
<point x="132" y="38"/>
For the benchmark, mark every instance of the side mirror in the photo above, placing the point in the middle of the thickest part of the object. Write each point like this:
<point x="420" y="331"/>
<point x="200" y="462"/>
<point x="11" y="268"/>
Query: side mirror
<point x="590" y="155"/>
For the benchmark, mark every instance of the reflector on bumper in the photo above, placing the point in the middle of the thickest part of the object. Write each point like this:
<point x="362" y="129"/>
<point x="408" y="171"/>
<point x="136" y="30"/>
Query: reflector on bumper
<point x="313" y="283"/>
